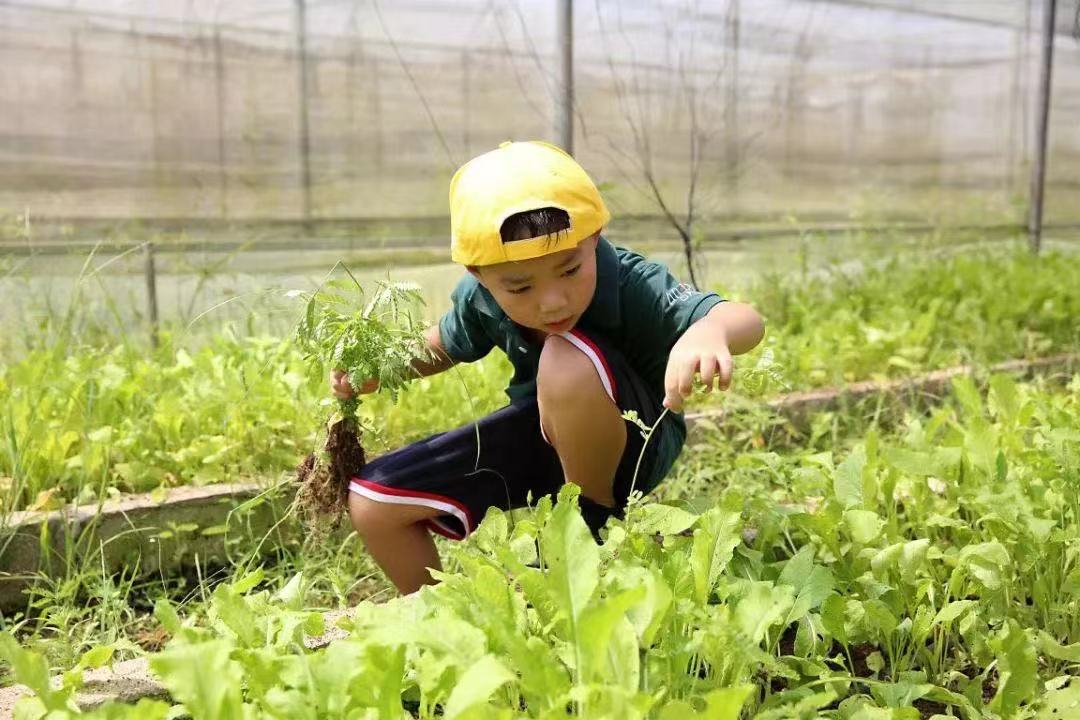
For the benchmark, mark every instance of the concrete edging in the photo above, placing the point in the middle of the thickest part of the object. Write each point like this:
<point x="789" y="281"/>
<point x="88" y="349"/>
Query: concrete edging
<point x="798" y="407"/>
<point x="146" y="531"/>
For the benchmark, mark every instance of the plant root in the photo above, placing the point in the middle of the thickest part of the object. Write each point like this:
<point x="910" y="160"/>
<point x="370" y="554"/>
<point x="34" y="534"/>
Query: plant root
<point x="324" y="478"/>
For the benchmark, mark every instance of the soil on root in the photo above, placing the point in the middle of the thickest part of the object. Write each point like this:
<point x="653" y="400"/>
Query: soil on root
<point x="324" y="477"/>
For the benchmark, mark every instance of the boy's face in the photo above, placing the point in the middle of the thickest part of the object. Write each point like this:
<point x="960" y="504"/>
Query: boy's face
<point x="548" y="293"/>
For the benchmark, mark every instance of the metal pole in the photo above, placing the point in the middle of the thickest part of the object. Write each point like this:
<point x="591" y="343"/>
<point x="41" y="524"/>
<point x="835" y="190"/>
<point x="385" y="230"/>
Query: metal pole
<point x="1017" y="107"/>
<point x="155" y="125"/>
<point x="151" y="291"/>
<point x="76" y="63"/>
<point x="731" y="107"/>
<point x="1038" y="171"/>
<point x="466" y="101"/>
<point x="352" y="149"/>
<point x="376" y="114"/>
<point x="1025" y="88"/>
<point x="564" y="100"/>
<point x="219" y="86"/>
<point x="302" y="98"/>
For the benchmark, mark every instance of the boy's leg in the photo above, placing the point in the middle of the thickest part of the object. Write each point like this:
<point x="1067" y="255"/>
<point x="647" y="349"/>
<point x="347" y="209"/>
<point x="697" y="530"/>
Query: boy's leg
<point x="445" y="483"/>
<point x="398" y="538"/>
<point x="580" y="419"/>
<point x="585" y="385"/>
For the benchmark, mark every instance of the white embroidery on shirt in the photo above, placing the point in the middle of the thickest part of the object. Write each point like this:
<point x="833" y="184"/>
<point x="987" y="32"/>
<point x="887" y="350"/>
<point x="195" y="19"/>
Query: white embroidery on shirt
<point x="679" y="293"/>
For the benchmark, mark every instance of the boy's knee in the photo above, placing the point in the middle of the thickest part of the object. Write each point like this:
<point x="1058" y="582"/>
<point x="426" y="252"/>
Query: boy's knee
<point x="564" y="371"/>
<point x="364" y="514"/>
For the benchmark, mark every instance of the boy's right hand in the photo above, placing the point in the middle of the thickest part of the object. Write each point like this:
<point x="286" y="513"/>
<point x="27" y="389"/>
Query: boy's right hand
<point x="341" y="388"/>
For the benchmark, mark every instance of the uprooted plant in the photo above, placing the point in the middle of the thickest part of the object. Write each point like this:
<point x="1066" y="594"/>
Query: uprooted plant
<point x="375" y="338"/>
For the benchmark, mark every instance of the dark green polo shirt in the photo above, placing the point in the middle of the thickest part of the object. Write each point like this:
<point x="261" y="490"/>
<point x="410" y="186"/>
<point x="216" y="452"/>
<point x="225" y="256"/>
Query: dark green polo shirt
<point x="639" y="307"/>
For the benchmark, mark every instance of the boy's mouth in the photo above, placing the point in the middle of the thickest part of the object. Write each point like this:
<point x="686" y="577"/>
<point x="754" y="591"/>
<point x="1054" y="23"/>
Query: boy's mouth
<point x="561" y="325"/>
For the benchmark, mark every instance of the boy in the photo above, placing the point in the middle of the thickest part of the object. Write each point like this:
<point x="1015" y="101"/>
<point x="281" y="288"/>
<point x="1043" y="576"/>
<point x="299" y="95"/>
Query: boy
<point x="591" y="330"/>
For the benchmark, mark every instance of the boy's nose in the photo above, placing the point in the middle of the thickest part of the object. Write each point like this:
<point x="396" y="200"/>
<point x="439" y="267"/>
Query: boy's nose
<point x="552" y="302"/>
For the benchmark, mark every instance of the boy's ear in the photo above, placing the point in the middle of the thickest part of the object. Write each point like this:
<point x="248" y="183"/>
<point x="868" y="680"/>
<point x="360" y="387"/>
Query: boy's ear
<point x="475" y="272"/>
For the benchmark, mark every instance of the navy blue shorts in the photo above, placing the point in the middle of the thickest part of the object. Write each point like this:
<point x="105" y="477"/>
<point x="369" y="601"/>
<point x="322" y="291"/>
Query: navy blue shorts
<point x="503" y="459"/>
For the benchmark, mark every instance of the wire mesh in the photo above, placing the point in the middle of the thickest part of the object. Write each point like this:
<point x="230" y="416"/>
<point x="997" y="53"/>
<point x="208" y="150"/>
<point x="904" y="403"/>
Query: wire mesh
<point x="830" y="110"/>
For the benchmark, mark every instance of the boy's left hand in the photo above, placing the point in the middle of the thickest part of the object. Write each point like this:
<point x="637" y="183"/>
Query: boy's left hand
<point x="703" y="349"/>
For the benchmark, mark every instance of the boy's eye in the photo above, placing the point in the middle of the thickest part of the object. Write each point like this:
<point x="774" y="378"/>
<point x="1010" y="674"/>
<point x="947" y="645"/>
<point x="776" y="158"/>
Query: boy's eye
<point x="572" y="271"/>
<point x="519" y="291"/>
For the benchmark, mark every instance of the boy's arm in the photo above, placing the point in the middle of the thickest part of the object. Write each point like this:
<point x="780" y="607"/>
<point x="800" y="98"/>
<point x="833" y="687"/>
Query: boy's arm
<point x="437" y="359"/>
<point x="729" y="328"/>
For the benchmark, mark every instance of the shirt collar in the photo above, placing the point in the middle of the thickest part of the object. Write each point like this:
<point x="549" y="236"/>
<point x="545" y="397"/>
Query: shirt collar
<point x="603" y="311"/>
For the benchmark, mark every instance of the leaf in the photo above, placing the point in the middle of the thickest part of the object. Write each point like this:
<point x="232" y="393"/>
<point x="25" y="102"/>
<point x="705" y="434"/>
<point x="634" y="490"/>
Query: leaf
<point x="477" y="685"/>
<point x="656" y="518"/>
<point x="762" y="607"/>
<point x="571" y="555"/>
<point x="248" y="582"/>
<point x="865" y="525"/>
<point x="445" y="636"/>
<point x="1049" y="645"/>
<point x="810" y="596"/>
<point x="811" y="583"/>
<point x="648" y="615"/>
<point x="1061" y="704"/>
<point x="594" y="637"/>
<point x="1001" y="466"/>
<point x="679" y="710"/>
<point x="981" y="446"/>
<point x="869" y="712"/>
<point x="847" y="482"/>
<point x="911" y="462"/>
<point x="95" y="657"/>
<point x="1040" y="528"/>
<point x="1071" y="586"/>
<point x="1017" y="678"/>
<point x="964" y="390"/>
<point x="623" y="657"/>
<point x="166" y="615"/>
<point x="953" y="610"/>
<point x="50" y="499"/>
<point x="725" y="703"/>
<point x="875" y="662"/>
<point x="942" y="521"/>
<point x="291" y="594"/>
<point x="807" y="635"/>
<point x="1003" y="397"/>
<point x="31" y="670"/>
<point x="237" y="616"/>
<point x="804" y="706"/>
<point x="797" y="570"/>
<point x="987" y="562"/>
<point x="880" y="618"/>
<point x="907" y="557"/>
<point x="542" y="674"/>
<point x="203" y="678"/>
<point x="834" y="617"/>
<point x="491" y="534"/>
<point x="901" y="694"/>
<point x="715" y="539"/>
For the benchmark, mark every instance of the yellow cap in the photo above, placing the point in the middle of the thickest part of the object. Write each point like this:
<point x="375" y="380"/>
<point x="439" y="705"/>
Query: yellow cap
<point x="519" y="177"/>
